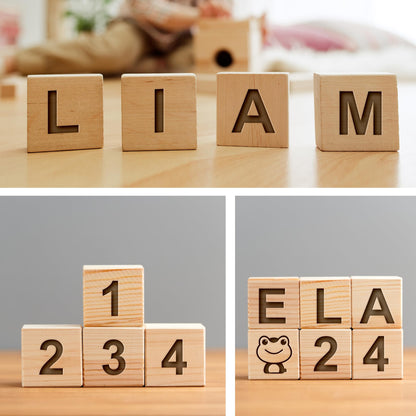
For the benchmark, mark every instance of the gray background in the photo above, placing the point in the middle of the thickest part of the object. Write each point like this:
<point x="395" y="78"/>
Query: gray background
<point x="326" y="236"/>
<point x="45" y="241"/>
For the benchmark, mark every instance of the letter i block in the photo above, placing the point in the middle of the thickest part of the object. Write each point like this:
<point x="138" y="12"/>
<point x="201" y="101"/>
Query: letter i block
<point x="273" y="354"/>
<point x="159" y="112"/>
<point x="253" y="109"/>
<point x="273" y="302"/>
<point x="325" y="353"/>
<point x="113" y="296"/>
<point x="376" y="302"/>
<point x="64" y="112"/>
<point x="113" y="356"/>
<point x="356" y="112"/>
<point x="175" y="355"/>
<point x="51" y="356"/>
<point x="325" y="302"/>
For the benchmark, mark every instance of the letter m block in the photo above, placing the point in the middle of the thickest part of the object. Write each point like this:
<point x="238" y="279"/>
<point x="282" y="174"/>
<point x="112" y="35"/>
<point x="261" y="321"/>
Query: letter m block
<point x="356" y="112"/>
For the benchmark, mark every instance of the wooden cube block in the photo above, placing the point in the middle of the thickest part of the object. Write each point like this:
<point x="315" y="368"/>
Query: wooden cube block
<point x="376" y="302"/>
<point x="325" y="354"/>
<point x="325" y="302"/>
<point x="64" y="112"/>
<point x="225" y="45"/>
<point x="273" y="354"/>
<point x="175" y="355"/>
<point x="356" y="112"/>
<point x="377" y="353"/>
<point x="8" y="90"/>
<point x="273" y="302"/>
<point x="253" y="109"/>
<point x="159" y="112"/>
<point x="51" y="356"/>
<point x="113" y="356"/>
<point x="113" y="296"/>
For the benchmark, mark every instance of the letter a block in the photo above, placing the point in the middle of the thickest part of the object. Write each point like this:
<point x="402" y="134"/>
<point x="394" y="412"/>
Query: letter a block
<point x="273" y="302"/>
<point x="64" y="112"/>
<point x="175" y="355"/>
<point x="51" y="356"/>
<point x="159" y="112"/>
<point x="356" y="112"/>
<point x="253" y="109"/>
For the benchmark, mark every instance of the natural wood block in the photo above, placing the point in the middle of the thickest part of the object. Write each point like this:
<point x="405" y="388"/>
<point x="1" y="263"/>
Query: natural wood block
<point x="64" y="112"/>
<point x="7" y="90"/>
<point x="376" y="302"/>
<point x="113" y="296"/>
<point x="51" y="355"/>
<point x="253" y="109"/>
<point x="273" y="302"/>
<point x="113" y="356"/>
<point x="356" y="112"/>
<point x="273" y="354"/>
<point x="377" y="353"/>
<point x="159" y="112"/>
<point x="325" y="354"/>
<point x="325" y="302"/>
<point x="175" y="355"/>
<point x="225" y="45"/>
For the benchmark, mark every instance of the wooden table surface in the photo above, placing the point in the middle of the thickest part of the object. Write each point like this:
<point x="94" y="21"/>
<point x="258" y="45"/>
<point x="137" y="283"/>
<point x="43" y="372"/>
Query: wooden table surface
<point x="326" y="397"/>
<point x="178" y="401"/>
<point x="302" y="165"/>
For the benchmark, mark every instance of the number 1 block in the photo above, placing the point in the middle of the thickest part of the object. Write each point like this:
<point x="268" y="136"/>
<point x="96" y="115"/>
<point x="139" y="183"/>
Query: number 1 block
<point x="175" y="355"/>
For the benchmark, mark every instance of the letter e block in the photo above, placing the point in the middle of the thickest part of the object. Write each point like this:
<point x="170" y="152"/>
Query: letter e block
<point x="376" y="302"/>
<point x="175" y="355"/>
<point x="253" y="109"/>
<point x="64" y="112"/>
<point x="51" y="356"/>
<point x="273" y="302"/>
<point x="356" y="112"/>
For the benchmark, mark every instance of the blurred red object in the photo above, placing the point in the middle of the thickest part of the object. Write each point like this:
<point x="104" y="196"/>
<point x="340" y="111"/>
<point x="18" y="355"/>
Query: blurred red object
<point x="9" y="26"/>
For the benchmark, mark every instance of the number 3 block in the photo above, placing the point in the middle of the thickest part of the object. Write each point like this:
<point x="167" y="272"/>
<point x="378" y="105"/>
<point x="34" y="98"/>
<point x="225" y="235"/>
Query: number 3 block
<point x="51" y="355"/>
<point x="175" y="355"/>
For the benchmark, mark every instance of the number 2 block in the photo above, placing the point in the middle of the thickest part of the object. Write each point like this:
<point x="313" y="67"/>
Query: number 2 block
<point x="175" y="355"/>
<point x="51" y="356"/>
<point x="113" y="296"/>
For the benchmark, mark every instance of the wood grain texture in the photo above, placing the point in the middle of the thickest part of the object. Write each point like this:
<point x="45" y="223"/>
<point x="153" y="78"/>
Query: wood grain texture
<point x="179" y="112"/>
<point x="105" y="401"/>
<point x="312" y="351"/>
<point x="264" y="356"/>
<point x="328" y="119"/>
<point x="391" y="291"/>
<point x="232" y="92"/>
<point x="159" y="339"/>
<point x="289" y="310"/>
<point x="98" y="307"/>
<point x="388" y="347"/>
<point x="34" y="357"/>
<point x="95" y="356"/>
<point x="335" y="298"/>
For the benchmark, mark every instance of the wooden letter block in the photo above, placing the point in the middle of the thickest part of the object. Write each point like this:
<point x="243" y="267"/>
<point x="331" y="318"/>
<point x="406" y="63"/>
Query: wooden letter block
<point x="159" y="112"/>
<point x="113" y="296"/>
<point x="356" y="112"/>
<point x="64" y="112"/>
<point x="273" y="354"/>
<point x="175" y="355"/>
<point x="376" y="302"/>
<point x="273" y="302"/>
<point x="51" y="356"/>
<point x="113" y="356"/>
<point x="377" y="353"/>
<point x="225" y="45"/>
<point x="325" y="353"/>
<point x="253" y="109"/>
<point x="7" y="90"/>
<point x="325" y="302"/>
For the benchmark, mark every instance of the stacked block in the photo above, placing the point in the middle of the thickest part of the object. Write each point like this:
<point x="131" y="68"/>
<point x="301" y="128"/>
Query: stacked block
<point x="325" y="328"/>
<point x="115" y="347"/>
